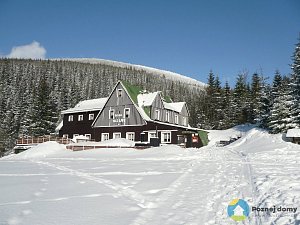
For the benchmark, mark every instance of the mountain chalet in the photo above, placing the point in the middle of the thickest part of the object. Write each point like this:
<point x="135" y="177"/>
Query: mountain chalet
<point x="131" y="113"/>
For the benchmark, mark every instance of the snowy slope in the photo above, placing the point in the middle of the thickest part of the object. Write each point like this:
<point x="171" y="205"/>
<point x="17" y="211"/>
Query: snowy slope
<point x="159" y="72"/>
<point x="166" y="185"/>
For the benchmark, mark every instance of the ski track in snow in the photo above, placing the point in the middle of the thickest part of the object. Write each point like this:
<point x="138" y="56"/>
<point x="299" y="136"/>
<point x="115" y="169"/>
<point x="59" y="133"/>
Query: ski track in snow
<point x="190" y="187"/>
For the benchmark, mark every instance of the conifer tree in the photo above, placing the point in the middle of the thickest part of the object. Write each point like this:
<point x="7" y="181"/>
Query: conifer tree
<point x="241" y="99"/>
<point x="228" y="106"/>
<point x="295" y="87"/>
<point x="44" y="113"/>
<point x="280" y="116"/>
<point x="255" y="97"/>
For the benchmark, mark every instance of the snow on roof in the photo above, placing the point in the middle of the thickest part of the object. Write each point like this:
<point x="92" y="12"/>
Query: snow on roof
<point x="143" y="113"/>
<point x="175" y="106"/>
<point x="87" y="105"/>
<point x="295" y="132"/>
<point x="59" y="126"/>
<point x="146" y="99"/>
<point x="177" y="125"/>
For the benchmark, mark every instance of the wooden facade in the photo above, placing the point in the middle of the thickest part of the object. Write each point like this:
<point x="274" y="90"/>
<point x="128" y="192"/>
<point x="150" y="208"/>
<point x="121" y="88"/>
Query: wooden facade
<point x="78" y="127"/>
<point x="138" y="117"/>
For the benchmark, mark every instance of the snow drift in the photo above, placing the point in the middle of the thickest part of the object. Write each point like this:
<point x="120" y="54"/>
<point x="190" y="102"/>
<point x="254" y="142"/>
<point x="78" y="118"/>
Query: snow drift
<point x="43" y="150"/>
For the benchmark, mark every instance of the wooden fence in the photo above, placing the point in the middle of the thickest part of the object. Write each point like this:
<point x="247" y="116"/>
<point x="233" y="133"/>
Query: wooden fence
<point x="42" y="139"/>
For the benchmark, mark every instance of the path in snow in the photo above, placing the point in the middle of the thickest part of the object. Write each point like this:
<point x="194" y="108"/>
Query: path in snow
<point x="166" y="185"/>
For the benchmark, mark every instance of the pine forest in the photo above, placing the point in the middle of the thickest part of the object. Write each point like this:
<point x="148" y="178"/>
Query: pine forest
<point x="34" y="92"/>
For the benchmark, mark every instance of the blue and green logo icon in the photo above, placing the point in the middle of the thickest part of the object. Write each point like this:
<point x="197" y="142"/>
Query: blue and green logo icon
<point x="238" y="209"/>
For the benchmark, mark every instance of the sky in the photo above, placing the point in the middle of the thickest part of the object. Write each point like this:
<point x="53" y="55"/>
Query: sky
<point x="183" y="36"/>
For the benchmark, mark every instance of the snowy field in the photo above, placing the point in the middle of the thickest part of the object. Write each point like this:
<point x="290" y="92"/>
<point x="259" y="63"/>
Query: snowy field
<point x="166" y="185"/>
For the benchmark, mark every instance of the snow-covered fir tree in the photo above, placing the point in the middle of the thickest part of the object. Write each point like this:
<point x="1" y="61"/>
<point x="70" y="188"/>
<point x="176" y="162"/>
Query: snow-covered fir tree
<point x="295" y="87"/>
<point x="280" y="114"/>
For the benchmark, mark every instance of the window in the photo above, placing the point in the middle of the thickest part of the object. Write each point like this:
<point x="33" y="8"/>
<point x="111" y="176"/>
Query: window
<point x="176" y="119"/>
<point x="75" y="135"/>
<point x="80" y="117"/>
<point x="89" y="136"/>
<point x="126" y="113"/>
<point x="157" y="114"/>
<point x="119" y="93"/>
<point x="184" y="121"/>
<point x="151" y="135"/>
<point x="165" y="137"/>
<point x="116" y="135"/>
<point x="130" y="136"/>
<point x="70" y="118"/>
<point x="65" y="136"/>
<point x="104" y="136"/>
<point x="167" y="116"/>
<point x="91" y="116"/>
<point x="112" y="114"/>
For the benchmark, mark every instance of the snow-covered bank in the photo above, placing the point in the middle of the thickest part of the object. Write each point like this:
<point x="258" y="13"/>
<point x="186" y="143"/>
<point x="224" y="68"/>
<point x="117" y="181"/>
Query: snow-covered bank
<point x="169" y="184"/>
<point x="43" y="150"/>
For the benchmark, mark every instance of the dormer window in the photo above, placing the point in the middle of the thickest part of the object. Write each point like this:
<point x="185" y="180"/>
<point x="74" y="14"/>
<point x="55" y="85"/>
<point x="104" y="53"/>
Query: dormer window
<point x="112" y="114"/>
<point x="119" y="93"/>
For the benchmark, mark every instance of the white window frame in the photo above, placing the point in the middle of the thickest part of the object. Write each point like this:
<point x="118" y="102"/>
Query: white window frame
<point x="66" y="136"/>
<point x="130" y="133"/>
<point x="75" y="135"/>
<point x="176" y="119"/>
<point x="119" y="93"/>
<point x="157" y="114"/>
<point x="70" y="118"/>
<point x="150" y="135"/>
<point x="112" y="112"/>
<point x="163" y="138"/>
<point x="91" y="116"/>
<point x="168" y="116"/>
<point x="128" y="113"/>
<point x="184" y="121"/>
<point x="103" y="135"/>
<point x="117" y="133"/>
<point x="80" y="117"/>
<point x="88" y="136"/>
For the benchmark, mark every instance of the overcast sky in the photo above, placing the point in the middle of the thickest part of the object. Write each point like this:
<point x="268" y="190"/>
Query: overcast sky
<point x="187" y="37"/>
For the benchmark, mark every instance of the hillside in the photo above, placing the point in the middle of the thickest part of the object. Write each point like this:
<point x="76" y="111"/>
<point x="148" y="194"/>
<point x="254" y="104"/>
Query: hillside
<point x="168" y="75"/>
<point x="34" y="92"/>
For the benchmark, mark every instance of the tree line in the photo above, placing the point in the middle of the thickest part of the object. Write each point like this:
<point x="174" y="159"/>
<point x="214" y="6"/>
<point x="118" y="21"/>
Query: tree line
<point x="34" y="92"/>
<point x="274" y="106"/>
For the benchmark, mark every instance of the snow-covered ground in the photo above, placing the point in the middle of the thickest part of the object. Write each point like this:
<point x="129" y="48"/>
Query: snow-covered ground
<point x="167" y="185"/>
